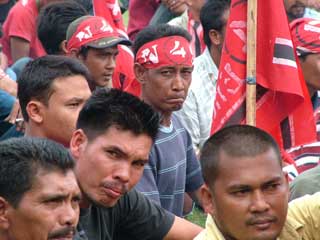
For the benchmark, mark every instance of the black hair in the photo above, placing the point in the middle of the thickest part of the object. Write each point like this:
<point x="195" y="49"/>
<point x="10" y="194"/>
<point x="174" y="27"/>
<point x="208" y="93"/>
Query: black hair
<point x="235" y="141"/>
<point x="151" y="33"/>
<point x="53" y="22"/>
<point x="211" y="17"/>
<point x="22" y="158"/>
<point x="111" y="107"/>
<point x="38" y="76"/>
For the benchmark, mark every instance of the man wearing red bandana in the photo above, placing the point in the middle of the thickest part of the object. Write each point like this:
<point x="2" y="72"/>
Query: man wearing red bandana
<point x="163" y="66"/>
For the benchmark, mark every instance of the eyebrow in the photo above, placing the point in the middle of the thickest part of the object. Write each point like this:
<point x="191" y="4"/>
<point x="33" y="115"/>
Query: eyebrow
<point x="244" y="186"/>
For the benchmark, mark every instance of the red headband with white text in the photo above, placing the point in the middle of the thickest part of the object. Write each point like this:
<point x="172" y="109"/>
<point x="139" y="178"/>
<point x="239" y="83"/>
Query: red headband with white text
<point x="166" y="51"/>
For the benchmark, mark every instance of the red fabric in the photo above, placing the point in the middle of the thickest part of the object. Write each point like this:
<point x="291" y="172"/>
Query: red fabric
<point x="173" y="50"/>
<point x="283" y="104"/>
<point x="91" y="29"/>
<point x="305" y="35"/>
<point x="110" y="10"/>
<point x="21" y="22"/>
<point x="123" y="76"/>
<point x="140" y="13"/>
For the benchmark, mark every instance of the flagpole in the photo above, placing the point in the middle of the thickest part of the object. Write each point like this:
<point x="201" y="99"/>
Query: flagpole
<point x="251" y="62"/>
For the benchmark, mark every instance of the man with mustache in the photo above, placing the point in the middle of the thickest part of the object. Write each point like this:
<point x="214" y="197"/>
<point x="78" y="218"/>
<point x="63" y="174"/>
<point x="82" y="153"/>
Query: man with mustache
<point x="163" y="66"/>
<point x="246" y="191"/>
<point x="39" y="194"/>
<point x="295" y="8"/>
<point x="115" y="132"/>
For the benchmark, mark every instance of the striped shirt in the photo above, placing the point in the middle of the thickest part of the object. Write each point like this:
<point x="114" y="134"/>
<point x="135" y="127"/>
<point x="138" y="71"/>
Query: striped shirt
<point x="173" y="168"/>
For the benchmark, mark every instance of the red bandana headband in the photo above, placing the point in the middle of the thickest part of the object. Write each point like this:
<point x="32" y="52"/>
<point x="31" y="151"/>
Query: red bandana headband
<point x="166" y="51"/>
<point x="91" y="29"/>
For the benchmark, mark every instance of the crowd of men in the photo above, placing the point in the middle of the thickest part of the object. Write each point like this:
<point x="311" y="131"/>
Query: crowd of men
<point x="103" y="136"/>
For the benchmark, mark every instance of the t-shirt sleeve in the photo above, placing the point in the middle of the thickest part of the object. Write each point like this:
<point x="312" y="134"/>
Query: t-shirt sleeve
<point x="306" y="211"/>
<point x="143" y="219"/>
<point x="22" y="24"/>
<point x="194" y="178"/>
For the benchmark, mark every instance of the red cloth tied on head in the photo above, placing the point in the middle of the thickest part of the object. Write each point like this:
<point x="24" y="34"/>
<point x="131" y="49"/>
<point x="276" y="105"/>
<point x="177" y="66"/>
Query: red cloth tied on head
<point x="166" y="51"/>
<point x="305" y="34"/>
<point x="92" y="31"/>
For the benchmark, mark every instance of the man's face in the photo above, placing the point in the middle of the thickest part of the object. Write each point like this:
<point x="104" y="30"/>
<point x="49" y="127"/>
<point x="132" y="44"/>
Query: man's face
<point x="49" y="210"/>
<point x="166" y="88"/>
<point x="61" y="113"/>
<point x="115" y="161"/>
<point x="294" y="8"/>
<point x="249" y="198"/>
<point x="311" y="72"/>
<point x="101" y="64"/>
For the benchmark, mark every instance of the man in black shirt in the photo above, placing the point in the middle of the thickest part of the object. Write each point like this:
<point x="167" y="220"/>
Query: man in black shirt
<point x="115" y="132"/>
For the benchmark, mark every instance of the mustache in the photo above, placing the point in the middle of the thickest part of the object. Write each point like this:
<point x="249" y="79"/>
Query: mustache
<point x="120" y="187"/>
<point x="261" y="219"/>
<point x="63" y="232"/>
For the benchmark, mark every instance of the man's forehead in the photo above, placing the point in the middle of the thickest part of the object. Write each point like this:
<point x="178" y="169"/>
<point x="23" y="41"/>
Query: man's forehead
<point x="48" y="182"/>
<point x="266" y="163"/>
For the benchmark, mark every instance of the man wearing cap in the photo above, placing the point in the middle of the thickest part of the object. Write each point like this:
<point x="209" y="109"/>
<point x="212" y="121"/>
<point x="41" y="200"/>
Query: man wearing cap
<point x="305" y="37"/>
<point x="163" y="65"/>
<point x="93" y="41"/>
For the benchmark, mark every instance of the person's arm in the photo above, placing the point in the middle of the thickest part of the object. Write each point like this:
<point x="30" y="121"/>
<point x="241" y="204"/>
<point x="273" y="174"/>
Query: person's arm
<point x="182" y="230"/>
<point x="177" y="7"/>
<point x="7" y="84"/>
<point x="19" y="48"/>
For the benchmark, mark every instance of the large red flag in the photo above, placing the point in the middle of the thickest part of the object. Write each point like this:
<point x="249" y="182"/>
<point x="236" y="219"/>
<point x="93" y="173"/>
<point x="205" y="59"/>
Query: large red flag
<point x="283" y="104"/>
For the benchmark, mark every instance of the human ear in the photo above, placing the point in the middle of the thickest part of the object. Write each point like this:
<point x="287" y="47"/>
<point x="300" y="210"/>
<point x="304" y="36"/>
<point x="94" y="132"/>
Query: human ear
<point x="207" y="199"/>
<point x="4" y="220"/>
<point x="35" y="111"/>
<point x="77" y="143"/>
<point x="215" y="37"/>
<point x="63" y="47"/>
<point x="139" y="72"/>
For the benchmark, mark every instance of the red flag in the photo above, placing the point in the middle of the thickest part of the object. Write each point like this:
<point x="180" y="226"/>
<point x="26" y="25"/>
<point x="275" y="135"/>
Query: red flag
<point x="283" y="104"/>
<point x="110" y="10"/>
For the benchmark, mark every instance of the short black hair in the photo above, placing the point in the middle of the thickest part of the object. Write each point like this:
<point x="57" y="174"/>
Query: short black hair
<point x="151" y="33"/>
<point x="22" y="158"/>
<point x="38" y="76"/>
<point x="53" y="22"/>
<point x="235" y="141"/>
<point x="211" y="17"/>
<point x="111" y="107"/>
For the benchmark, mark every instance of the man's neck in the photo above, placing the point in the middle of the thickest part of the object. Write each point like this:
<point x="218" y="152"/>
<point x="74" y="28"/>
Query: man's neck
<point x="215" y="55"/>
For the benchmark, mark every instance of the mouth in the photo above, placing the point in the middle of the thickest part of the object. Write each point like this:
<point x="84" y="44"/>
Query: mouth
<point x="262" y="224"/>
<point x="67" y="236"/>
<point x="112" y="192"/>
<point x="178" y="100"/>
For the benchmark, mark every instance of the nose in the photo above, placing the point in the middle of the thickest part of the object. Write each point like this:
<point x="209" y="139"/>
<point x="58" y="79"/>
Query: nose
<point x="259" y="203"/>
<point x="110" y="62"/>
<point x="178" y="82"/>
<point x="122" y="173"/>
<point x="69" y="214"/>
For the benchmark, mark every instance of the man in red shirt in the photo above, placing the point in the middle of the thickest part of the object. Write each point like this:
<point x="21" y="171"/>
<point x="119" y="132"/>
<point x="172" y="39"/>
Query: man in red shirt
<point x="19" y="31"/>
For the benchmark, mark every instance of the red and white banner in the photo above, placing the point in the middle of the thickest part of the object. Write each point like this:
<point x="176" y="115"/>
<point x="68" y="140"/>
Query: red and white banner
<point x="283" y="104"/>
